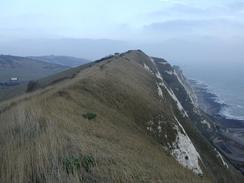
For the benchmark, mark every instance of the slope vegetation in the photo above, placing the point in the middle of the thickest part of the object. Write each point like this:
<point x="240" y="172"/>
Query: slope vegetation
<point x="116" y="120"/>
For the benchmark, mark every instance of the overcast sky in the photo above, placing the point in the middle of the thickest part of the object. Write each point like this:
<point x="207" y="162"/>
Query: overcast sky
<point x="179" y="30"/>
<point x="144" y="20"/>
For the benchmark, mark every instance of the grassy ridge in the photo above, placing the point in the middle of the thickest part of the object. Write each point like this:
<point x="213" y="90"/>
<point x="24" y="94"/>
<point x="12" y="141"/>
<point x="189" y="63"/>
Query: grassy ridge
<point x="39" y="135"/>
<point x="48" y="136"/>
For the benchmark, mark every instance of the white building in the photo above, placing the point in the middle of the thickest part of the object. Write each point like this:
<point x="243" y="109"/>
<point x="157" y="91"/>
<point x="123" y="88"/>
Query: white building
<point x="14" y="79"/>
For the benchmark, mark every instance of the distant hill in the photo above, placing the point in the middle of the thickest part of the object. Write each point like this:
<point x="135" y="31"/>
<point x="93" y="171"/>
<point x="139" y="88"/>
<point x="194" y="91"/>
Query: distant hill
<point x="25" y="68"/>
<point x="62" y="60"/>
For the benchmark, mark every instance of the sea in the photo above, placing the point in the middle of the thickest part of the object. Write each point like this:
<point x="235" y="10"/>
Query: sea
<point x="225" y="80"/>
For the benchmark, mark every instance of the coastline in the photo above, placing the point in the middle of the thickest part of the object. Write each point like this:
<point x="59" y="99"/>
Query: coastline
<point x="212" y="105"/>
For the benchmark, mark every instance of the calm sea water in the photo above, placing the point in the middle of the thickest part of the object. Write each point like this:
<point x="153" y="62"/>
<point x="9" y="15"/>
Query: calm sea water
<point x="224" y="80"/>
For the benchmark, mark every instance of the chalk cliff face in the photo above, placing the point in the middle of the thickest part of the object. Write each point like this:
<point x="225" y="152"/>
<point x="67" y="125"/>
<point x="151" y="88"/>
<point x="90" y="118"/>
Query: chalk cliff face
<point x="125" y="118"/>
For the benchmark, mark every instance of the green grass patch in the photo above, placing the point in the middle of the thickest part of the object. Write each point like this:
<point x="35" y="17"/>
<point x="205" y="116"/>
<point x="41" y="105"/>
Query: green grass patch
<point x="74" y="163"/>
<point x="90" y="115"/>
<point x="88" y="162"/>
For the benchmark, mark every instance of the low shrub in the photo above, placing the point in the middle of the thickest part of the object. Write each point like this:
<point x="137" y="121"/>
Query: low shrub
<point x="90" y="115"/>
<point x="88" y="162"/>
<point x="74" y="164"/>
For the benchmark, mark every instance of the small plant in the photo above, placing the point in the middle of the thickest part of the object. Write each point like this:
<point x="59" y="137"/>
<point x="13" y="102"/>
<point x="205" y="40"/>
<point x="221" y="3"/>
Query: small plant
<point x="88" y="162"/>
<point x="72" y="164"/>
<point x="90" y="115"/>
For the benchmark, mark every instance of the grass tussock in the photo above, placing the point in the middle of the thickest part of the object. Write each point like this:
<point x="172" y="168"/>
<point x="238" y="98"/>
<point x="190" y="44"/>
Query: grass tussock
<point x="90" y="115"/>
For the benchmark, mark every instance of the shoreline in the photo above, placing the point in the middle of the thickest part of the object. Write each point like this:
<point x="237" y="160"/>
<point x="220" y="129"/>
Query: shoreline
<point x="210" y="104"/>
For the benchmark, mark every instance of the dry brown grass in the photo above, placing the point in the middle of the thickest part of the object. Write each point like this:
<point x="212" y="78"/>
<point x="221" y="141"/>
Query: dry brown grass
<point x="38" y="133"/>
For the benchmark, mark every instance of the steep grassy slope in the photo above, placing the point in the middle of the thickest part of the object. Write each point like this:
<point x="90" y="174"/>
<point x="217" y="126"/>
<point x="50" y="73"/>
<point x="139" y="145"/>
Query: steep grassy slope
<point x="44" y="136"/>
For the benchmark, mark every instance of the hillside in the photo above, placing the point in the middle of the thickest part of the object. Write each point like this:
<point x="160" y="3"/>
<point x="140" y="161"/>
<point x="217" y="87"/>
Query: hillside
<point x="62" y="60"/>
<point x="26" y="68"/>
<point x="23" y="69"/>
<point x="125" y="118"/>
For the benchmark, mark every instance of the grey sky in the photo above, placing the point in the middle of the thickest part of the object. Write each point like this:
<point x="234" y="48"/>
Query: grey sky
<point x="141" y="20"/>
<point x="179" y="30"/>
